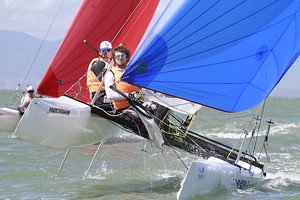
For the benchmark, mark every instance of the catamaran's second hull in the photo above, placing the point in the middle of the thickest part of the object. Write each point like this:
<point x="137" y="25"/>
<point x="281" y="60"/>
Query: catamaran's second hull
<point x="9" y="119"/>
<point x="207" y="176"/>
<point x="63" y="122"/>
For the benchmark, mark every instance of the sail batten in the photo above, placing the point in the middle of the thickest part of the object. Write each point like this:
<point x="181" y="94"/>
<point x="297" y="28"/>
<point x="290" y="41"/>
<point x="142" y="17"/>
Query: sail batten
<point x="227" y="55"/>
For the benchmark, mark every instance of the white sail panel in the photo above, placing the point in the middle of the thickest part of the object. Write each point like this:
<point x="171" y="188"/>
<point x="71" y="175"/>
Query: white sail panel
<point x="175" y="104"/>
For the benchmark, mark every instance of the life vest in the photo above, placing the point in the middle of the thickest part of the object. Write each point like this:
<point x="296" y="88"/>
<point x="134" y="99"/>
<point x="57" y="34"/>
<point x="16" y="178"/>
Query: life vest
<point x="91" y="79"/>
<point x="123" y="87"/>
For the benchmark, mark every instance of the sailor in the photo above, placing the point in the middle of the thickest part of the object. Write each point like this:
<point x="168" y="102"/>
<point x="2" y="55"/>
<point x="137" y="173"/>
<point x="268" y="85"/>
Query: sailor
<point x="26" y="99"/>
<point x="121" y="56"/>
<point x="97" y="69"/>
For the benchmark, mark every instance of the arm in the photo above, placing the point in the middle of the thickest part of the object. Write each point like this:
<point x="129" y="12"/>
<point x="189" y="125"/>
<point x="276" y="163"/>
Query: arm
<point x="108" y="81"/>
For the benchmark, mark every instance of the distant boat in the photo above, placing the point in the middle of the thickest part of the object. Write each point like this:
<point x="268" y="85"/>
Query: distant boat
<point x="225" y="55"/>
<point x="9" y="118"/>
<point x="9" y="114"/>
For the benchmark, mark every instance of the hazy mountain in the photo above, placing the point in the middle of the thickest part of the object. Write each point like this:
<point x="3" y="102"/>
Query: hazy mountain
<point x="18" y="53"/>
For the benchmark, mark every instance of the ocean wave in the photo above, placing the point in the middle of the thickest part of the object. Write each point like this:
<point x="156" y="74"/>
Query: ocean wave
<point x="235" y="133"/>
<point x="282" y="180"/>
<point x="285" y="129"/>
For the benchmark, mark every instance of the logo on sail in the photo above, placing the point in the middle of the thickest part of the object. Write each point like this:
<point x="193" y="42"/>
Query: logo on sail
<point x="141" y="67"/>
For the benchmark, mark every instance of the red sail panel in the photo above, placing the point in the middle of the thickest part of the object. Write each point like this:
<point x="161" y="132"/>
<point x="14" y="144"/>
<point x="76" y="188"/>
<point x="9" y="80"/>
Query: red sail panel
<point x="96" y="20"/>
<point x="135" y="28"/>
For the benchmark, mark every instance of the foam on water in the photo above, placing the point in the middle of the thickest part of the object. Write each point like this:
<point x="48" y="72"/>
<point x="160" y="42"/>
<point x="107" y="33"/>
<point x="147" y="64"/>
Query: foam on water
<point x="284" y="129"/>
<point x="282" y="178"/>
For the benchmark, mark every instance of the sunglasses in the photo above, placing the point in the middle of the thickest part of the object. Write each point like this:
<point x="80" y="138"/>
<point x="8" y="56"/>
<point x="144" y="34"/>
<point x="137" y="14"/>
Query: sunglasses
<point x="121" y="55"/>
<point x="105" y="50"/>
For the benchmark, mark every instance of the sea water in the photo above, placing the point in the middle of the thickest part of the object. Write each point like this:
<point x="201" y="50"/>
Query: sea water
<point x="123" y="171"/>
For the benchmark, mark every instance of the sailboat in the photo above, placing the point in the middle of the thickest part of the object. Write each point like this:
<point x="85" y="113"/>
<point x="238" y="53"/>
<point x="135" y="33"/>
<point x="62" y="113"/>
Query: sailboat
<point x="9" y="114"/>
<point x="9" y="119"/>
<point x="226" y="56"/>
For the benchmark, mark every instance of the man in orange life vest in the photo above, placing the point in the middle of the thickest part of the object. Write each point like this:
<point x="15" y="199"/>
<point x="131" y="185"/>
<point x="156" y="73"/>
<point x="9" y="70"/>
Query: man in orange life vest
<point x="121" y="56"/>
<point x="97" y="68"/>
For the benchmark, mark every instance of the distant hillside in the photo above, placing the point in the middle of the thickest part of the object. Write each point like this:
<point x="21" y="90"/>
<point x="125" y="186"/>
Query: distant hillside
<point x="18" y="51"/>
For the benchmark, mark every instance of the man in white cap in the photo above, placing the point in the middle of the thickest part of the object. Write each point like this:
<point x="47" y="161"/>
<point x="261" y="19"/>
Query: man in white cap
<point x="26" y="99"/>
<point x="97" y="69"/>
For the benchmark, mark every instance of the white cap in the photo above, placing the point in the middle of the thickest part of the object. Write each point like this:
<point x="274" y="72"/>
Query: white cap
<point x="105" y="45"/>
<point x="30" y="88"/>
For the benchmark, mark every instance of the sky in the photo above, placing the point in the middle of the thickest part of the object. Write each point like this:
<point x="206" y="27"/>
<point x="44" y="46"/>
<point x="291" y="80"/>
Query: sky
<point x="35" y="17"/>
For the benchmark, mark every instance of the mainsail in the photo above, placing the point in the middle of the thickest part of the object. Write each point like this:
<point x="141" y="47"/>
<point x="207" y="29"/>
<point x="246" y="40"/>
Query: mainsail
<point x="96" y="20"/>
<point x="227" y="55"/>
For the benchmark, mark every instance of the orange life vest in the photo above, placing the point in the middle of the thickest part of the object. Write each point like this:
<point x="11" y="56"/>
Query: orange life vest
<point x="124" y="87"/>
<point x="91" y="79"/>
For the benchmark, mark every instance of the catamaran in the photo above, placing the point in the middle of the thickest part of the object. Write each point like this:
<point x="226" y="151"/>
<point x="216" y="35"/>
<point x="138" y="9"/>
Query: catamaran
<point x="224" y="55"/>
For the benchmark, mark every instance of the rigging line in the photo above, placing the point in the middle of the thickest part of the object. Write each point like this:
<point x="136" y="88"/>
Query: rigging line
<point x="236" y="143"/>
<point x="155" y="24"/>
<point x="246" y="132"/>
<point x="196" y="144"/>
<point x="265" y="142"/>
<point x="259" y="124"/>
<point x="125" y="22"/>
<point x="76" y="83"/>
<point x="175" y="152"/>
<point x="43" y="41"/>
<point x="248" y="149"/>
<point x="135" y="21"/>
<point x="17" y="95"/>
<point x="273" y="106"/>
<point x="107" y="113"/>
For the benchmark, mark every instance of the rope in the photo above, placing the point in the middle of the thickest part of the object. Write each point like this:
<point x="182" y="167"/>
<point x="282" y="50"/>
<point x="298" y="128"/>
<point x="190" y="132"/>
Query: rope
<point x="127" y="21"/>
<point x="176" y="153"/>
<point x="135" y="20"/>
<point x="245" y="129"/>
<point x="20" y="85"/>
<point x="259" y="124"/>
<point x="43" y="41"/>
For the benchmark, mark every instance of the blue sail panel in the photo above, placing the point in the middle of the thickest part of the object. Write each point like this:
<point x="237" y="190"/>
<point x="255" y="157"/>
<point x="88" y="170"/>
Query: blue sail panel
<point x="224" y="54"/>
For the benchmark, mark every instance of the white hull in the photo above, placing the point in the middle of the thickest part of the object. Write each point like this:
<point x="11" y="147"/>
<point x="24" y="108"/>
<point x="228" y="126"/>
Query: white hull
<point x="9" y="119"/>
<point x="208" y="175"/>
<point x="62" y="122"/>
